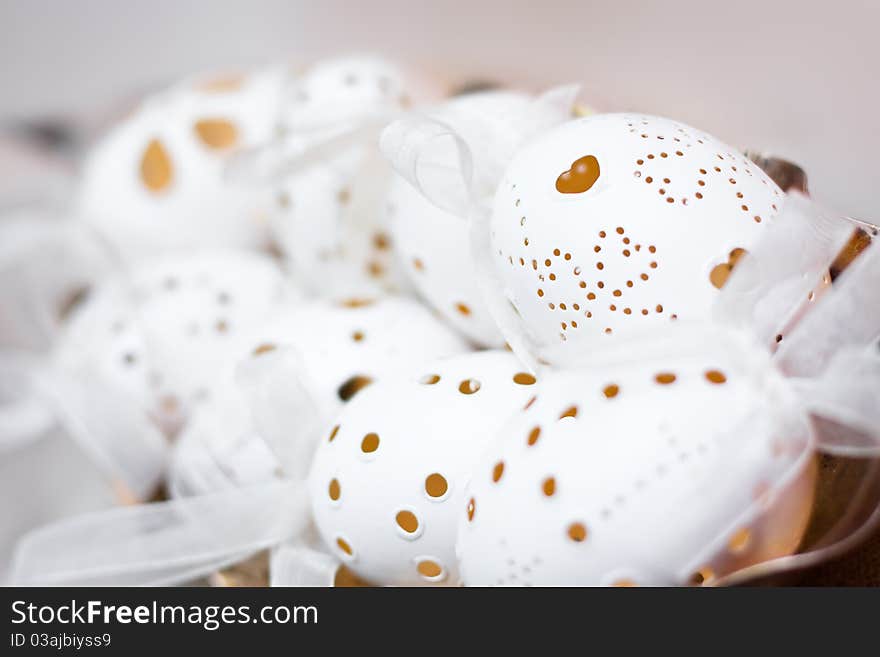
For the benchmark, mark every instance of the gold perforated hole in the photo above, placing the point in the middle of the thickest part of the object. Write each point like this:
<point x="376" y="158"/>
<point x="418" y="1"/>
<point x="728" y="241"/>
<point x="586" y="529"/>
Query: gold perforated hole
<point x="703" y="576"/>
<point x="355" y="302"/>
<point x="740" y="540"/>
<point x="370" y="443"/>
<point x="715" y="376"/>
<point x="498" y="471"/>
<point x="580" y="177"/>
<point x="611" y="391"/>
<point x="223" y="84"/>
<point x="577" y="532"/>
<point x="429" y="569"/>
<point x="524" y="379"/>
<point x="548" y="486"/>
<point x="216" y="133"/>
<point x="156" y="168"/>
<point x="436" y="485"/>
<point x="430" y="379"/>
<point x="407" y="521"/>
<point x="665" y="378"/>
<point x="534" y="434"/>
<point x="469" y="386"/>
<point x="353" y="386"/>
<point x="264" y="348"/>
<point x="571" y="411"/>
<point x="357" y="336"/>
<point x="463" y="309"/>
<point x="471" y="509"/>
<point x="333" y="434"/>
<point x="334" y="490"/>
<point x="624" y="583"/>
<point x="343" y="545"/>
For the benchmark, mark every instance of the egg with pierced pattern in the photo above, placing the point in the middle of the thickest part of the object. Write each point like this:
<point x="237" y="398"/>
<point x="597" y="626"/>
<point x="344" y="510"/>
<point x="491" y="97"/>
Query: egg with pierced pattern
<point x="666" y="471"/>
<point x="388" y="478"/>
<point x="615" y="221"/>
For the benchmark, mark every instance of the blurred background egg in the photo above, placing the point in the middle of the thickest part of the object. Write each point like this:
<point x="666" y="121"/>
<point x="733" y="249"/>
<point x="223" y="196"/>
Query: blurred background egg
<point x="157" y="180"/>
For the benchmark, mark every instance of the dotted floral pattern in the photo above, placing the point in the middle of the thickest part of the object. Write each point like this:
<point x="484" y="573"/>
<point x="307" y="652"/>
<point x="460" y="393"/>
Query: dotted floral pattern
<point x="632" y="238"/>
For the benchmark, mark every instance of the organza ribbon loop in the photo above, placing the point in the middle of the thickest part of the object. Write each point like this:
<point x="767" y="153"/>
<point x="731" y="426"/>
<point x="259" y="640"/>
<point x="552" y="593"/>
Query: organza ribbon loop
<point x="295" y="152"/>
<point x="846" y="317"/>
<point x="24" y="415"/>
<point x="771" y="284"/>
<point x="45" y="260"/>
<point x="682" y="339"/>
<point x="108" y="425"/>
<point x="458" y="168"/>
<point x="285" y="413"/>
<point x="300" y="565"/>
<point x="433" y="158"/>
<point x="161" y="543"/>
<point x="548" y="109"/>
<point x="846" y="401"/>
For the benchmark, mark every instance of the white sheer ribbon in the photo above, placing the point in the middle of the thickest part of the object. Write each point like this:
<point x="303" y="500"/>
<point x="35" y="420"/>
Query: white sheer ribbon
<point x="285" y="413"/>
<point x="772" y="284"/>
<point x="300" y="565"/>
<point x="161" y="543"/>
<point x="175" y="541"/>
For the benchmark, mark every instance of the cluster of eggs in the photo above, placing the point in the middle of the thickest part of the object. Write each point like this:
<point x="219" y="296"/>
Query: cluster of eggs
<point x="168" y="177"/>
<point x="437" y="462"/>
<point x="618" y="220"/>
<point x="471" y="471"/>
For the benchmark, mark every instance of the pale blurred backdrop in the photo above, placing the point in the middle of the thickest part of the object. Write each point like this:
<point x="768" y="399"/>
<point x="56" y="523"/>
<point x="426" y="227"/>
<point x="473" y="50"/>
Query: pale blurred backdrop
<point x="799" y="79"/>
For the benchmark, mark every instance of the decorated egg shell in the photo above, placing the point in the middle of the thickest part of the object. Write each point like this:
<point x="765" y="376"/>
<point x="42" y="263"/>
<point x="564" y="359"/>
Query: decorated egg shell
<point x="610" y="221"/>
<point x="340" y="348"/>
<point x="387" y="481"/>
<point x="328" y="219"/>
<point x="344" y="346"/>
<point x="163" y="332"/>
<point x="158" y="180"/>
<point x="335" y="240"/>
<point x="339" y="89"/>
<point x="433" y="242"/>
<point x="647" y="474"/>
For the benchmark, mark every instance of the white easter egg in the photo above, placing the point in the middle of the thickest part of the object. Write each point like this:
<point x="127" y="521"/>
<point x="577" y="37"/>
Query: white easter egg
<point x="334" y="247"/>
<point x="340" y="348"/>
<point x="611" y="221"/>
<point x="159" y="180"/>
<point x="164" y="331"/>
<point x="328" y="219"/>
<point x="433" y="242"/>
<point x="339" y="89"/>
<point x="344" y="346"/>
<point x="648" y="474"/>
<point x="387" y="481"/>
